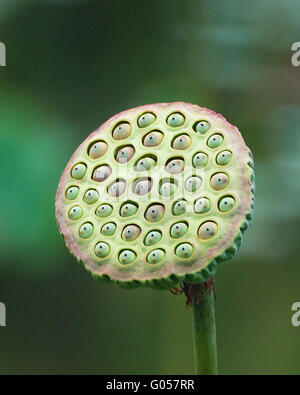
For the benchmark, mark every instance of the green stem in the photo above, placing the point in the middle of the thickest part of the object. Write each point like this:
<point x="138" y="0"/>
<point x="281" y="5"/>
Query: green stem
<point x="204" y="335"/>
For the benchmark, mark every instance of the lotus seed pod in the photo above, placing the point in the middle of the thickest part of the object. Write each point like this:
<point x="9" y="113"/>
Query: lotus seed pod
<point x="102" y="250"/>
<point x="178" y="230"/>
<point x="215" y="140"/>
<point x="104" y="210"/>
<point x="207" y="230"/>
<point x="200" y="159"/>
<point x="193" y="183"/>
<point x="219" y="181"/>
<point x="72" y="193"/>
<point x="182" y="142"/>
<point x="153" y="237"/>
<point x="184" y="250"/>
<point x="155" y="256"/>
<point x="226" y="203"/>
<point x="223" y="158"/>
<point x="86" y="230"/>
<point x="101" y="173"/>
<point x="179" y="207"/>
<point x="176" y="119"/>
<point x="127" y="256"/>
<point x="125" y="154"/>
<point x="146" y="119"/>
<point x="128" y="209"/>
<point x="201" y="206"/>
<point x="108" y="229"/>
<point x="78" y="171"/>
<point x="155" y="212"/>
<point x="131" y="232"/>
<point x="187" y="182"/>
<point x="98" y="149"/>
<point x="122" y="131"/>
<point x="201" y="127"/>
<point x="117" y="188"/>
<point x="175" y="166"/>
<point x="153" y="139"/>
<point x="75" y="212"/>
<point x="91" y="196"/>
<point x="145" y="163"/>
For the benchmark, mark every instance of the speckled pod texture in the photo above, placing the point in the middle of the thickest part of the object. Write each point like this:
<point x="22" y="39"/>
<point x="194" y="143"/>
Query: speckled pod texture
<point x="158" y="194"/>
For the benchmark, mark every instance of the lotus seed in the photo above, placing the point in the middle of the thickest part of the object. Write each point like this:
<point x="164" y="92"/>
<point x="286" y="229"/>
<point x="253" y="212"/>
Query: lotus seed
<point x="102" y="249"/>
<point x="108" y="229"/>
<point x="226" y="203"/>
<point x="184" y="250"/>
<point x="131" y="232"/>
<point x="155" y="256"/>
<point x="128" y="209"/>
<point x="207" y="230"/>
<point x="175" y="166"/>
<point x="200" y="159"/>
<point x="72" y="193"/>
<point x="181" y="142"/>
<point x="223" y="158"/>
<point x="117" y="188"/>
<point x="202" y="127"/>
<point x="86" y="230"/>
<point x="142" y="187"/>
<point x="122" y="131"/>
<point x="179" y="207"/>
<point x="215" y="140"/>
<point x="127" y="256"/>
<point x="78" y="171"/>
<point x="193" y="183"/>
<point x="145" y="164"/>
<point x="201" y="205"/>
<point x="91" y="196"/>
<point x="146" y="119"/>
<point x="125" y="154"/>
<point x="176" y="119"/>
<point x="152" y="238"/>
<point x="101" y="173"/>
<point x="153" y="139"/>
<point x="98" y="149"/>
<point x="167" y="188"/>
<point x="178" y="230"/>
<point x="219" y="181"/>
<point x="104" y="210"/>
<point x="155" y="212"/>
<point x="75" y="212"/>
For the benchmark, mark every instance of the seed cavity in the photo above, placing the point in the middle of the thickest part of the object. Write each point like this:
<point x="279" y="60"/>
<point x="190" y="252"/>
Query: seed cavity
<point x="75" y="212"/>
<point x="86" y="230"/>
<point x="101" y="173"/>
<point x="146" y="119"/>
<point x="223" y="158"/>
<point x="207" y="230"/>
<point x="154" y="212"/>
<point x="121" y="131"/>
<point x="117" y="188"/>
<point x="175" y="165"/>
<point x="124" y="154"/>
<point x="215" y="140"/>
<point x="102" y="249"/>
<point x="226" y="203"/>
<point x="128" y="209"/>
<point x="179" y="207"/>
<point x="131" y="232"/>
<point x="178" y="230"/>
<point x="201" y="127"/>
<point x="181" y="142"/>
<point x="127" y="256"/>
<point x="176" y="119"/>
<point x="146" y="163"/>
<point x="184" y="250"/>
<point x="153" y="139"/>
<point x="219" y="181"/>
<point x="167" y="187"/>
<point x="91" y="196"/>
<point x="97" y="149"/>
<point x="201" y="205"/>
<point x="108" y="229"/>
<point x="152" y="237"/>
<point x="78" y="171"/>
<point x="156" y="256"/>
<point x="72" y="193"/>
<point x="193" y="183"/>
<point x="104" y="210"/>
<point x="200" y="159"/>
<point x="142" y="186"/>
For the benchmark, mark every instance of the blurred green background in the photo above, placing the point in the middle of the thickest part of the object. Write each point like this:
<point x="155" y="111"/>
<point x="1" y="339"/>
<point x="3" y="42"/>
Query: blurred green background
<point x="70" y="66"/>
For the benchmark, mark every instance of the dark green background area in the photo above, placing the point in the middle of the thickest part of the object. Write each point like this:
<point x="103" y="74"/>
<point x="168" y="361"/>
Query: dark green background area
<point x="70" y="66"/>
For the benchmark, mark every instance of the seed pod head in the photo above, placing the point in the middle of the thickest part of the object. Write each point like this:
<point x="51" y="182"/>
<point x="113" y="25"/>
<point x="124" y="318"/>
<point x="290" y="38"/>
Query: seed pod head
<point x="158" y="194"/>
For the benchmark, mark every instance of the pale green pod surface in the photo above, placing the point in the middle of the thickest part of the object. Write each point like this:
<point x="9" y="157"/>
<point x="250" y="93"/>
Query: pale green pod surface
<point x="127" y="256"/>
<point x="153" y="139"/>
<point x="155" y="212"/>
<point x="108" y="229"/>
<point x="146" y="119"/>
<point x="72" y="193"/>
<point x="200" y="159"/>
<point x="104" y="210"/>
<point x="179" y="207"/>
<point x="226" y="204"/>
<point x="201" y="206"/>
<point x="98" y="149"/>
<point x="201" y="127"/>
<point x="158" y="194"/>
<point x="122" y="131"/>
<point x="223" y="158"/>
<point x="178" y="230"/>
<point x="215" y="140"/>
<point x="153" y="237"/>
<point x="176" y="119"/>
<point x="128" y="209"/>
<point x="155" y="256"/>
<point x="131" y="232"/>
<point x="102" y="250"/>
<point x="78" y="171"/>
<point x="86" y="230"/>
<point x="91" y="196"/>
<point x="193" y="183"/>
<point x="184" y="250"/>
<point x="181" y="142"/>
<point x="101" y="173"/>
<point x="219" y="181"/>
